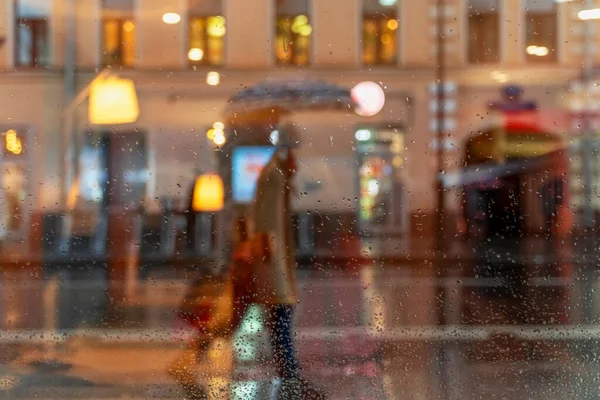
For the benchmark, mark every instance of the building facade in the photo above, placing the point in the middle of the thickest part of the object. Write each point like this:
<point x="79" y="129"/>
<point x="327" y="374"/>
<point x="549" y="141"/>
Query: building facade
<point x="536" y="43"/>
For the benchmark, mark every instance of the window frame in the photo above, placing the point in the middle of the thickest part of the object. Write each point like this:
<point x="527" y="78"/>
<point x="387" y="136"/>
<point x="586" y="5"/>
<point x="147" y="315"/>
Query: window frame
<point x="121" y="19"/>
<point x="204" y="62"/>
<point x="498" y="37"/>
<point x="553" y="57"/>
<point x="378" y="17"/>
<point x="38" y="26"/>
<point x="277" y="61"/>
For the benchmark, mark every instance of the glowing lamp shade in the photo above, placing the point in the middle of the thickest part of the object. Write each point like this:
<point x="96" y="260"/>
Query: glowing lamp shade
<point x="208" y="193"/>
<point x="113" y="101"/>
<point x="369" y="98"/>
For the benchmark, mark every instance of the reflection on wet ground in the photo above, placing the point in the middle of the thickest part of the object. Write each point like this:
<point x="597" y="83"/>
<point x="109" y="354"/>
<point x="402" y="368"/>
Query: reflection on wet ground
<point x="511" y="331"/>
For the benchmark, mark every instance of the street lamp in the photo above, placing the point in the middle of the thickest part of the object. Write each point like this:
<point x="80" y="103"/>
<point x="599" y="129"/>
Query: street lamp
<point x="112" y="101"/>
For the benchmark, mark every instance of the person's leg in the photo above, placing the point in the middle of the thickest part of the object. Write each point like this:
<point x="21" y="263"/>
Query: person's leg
<point x="184" y="369"/>
<point x="282" y="341"/>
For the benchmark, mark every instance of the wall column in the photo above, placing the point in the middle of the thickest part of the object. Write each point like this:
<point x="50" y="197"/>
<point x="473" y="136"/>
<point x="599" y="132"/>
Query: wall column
<point x="160" y="45"/>
<point x="250" y="33"/>
<point x="512" y="32"/>
<point x="336" y="45"/>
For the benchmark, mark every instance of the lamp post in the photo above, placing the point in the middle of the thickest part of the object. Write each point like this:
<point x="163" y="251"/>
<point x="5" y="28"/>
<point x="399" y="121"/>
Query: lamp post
<point x="440" y="75"/>
<point x="112" y="101"/>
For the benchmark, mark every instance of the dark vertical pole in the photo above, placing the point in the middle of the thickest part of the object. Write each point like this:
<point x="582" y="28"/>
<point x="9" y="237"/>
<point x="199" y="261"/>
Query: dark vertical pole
<point x="440" y="77"/>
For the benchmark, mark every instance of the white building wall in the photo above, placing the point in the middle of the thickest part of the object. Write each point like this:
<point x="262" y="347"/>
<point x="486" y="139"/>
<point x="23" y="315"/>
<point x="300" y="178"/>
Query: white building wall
<point x="177" y="106"/>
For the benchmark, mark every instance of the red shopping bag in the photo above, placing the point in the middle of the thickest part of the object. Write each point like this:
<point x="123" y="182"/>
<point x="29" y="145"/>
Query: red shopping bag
<point x="208" y="305"/>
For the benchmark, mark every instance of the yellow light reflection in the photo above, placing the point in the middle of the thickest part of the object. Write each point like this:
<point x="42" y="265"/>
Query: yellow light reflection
<point x="128" y="26"/>
<point x="210" y="134"/>
<point x="219" y="126"/>
<point x="13" y="142"/>
<point x="299" y="22"/>
<point x="196" y="54"/>
<point x="219" y="138"/>
<point x="215" y="26"/>
<point x="306" y="30"/>
<point x="392" y="24"/>
<point x="213" y="78"/>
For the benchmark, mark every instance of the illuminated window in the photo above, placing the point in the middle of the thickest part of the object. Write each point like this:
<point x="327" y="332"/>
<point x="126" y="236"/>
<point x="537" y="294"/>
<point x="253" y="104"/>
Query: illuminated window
<point x="292" y="32"/>
<point x="31" y="34"/>
<point x="118" y="42"/>
<point x="118" y="33"/>
<point x="380" y="33"/>
<point x="207" y="40"/>
<point x="541" y="23"/>
<point x="484" y="31"/>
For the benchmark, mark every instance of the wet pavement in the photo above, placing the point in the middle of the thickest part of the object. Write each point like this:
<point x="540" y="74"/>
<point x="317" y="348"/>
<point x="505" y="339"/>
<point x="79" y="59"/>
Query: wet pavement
<point x="495" y="330"/>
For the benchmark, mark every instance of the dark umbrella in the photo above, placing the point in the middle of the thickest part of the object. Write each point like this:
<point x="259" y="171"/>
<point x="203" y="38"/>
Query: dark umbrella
<point x="280" y="97"/>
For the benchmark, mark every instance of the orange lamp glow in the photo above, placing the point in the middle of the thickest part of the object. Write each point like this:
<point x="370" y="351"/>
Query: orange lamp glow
<point x="208" y="193"/>
<point x="113" y="101"/>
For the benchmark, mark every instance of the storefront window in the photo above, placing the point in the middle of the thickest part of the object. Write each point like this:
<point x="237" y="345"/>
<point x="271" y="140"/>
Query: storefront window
<point x="293" y="32"/>
<point x="541" y="31"/>
<point x="380" y="179"/>
<point x="380" y="33"/>
<point x="484" y="31"/>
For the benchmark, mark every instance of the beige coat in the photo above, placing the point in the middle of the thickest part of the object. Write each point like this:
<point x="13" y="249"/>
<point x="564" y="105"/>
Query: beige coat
<point x="271" y="215"/>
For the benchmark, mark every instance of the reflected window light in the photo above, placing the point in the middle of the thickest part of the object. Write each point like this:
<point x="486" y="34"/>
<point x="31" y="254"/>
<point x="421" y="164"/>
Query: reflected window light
<point x="171" y="18"/>
<point x="590" y="14"/>
<point x="213" y="78"/>
<point x="206" y="40"/>
<point x="219" y="126"/>
<point x="215" y="26"/>
<point x="118" y="42"/>
<point x="195" y="54"/>
<point x="362" y="135"/>
<point x="293" y="32"/>
<point x="380" y="42"/>
<point x="219" y="139"/>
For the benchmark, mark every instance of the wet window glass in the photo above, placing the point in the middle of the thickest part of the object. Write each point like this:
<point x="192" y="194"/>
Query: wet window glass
<point x="299" y="199"/>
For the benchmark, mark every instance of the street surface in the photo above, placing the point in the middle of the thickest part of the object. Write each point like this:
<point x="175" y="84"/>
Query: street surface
<point x="365" y="333"/>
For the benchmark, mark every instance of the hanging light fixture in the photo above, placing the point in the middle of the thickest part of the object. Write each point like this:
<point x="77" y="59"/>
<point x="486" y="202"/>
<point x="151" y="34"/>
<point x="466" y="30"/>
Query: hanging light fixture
<point x="208" y="193"/>
<point x="113" y="101"/>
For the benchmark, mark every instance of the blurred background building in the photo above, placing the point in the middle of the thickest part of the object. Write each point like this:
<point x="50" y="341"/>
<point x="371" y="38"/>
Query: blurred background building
<point x="187" y="57"/>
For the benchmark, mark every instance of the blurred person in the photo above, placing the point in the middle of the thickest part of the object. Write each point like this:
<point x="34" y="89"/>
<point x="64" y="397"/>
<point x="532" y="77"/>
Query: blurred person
<point x="276" y="274"/>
